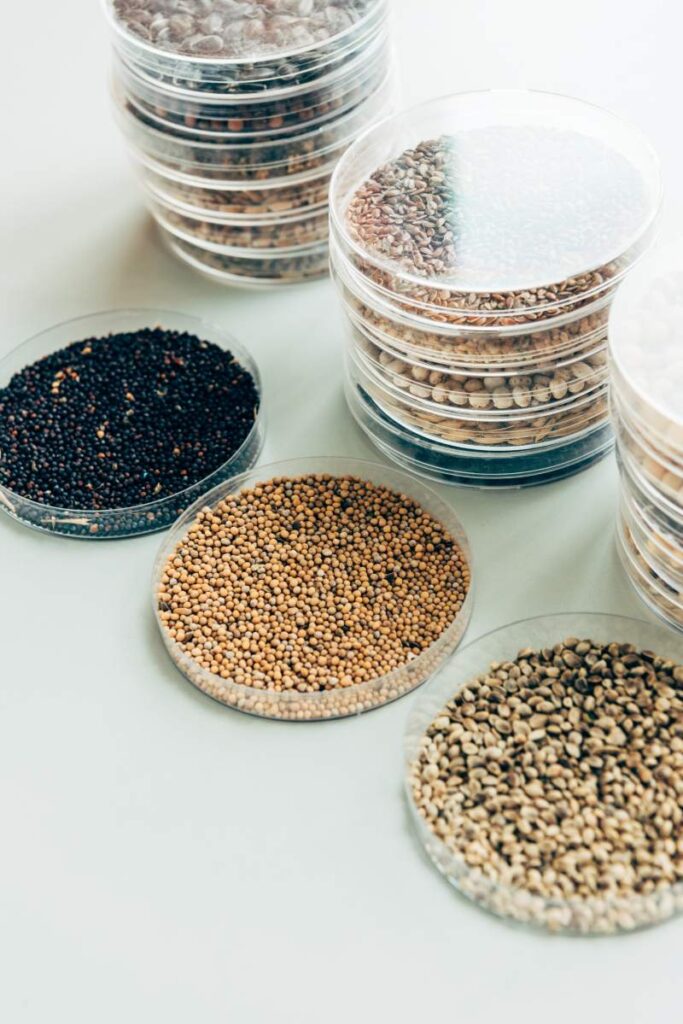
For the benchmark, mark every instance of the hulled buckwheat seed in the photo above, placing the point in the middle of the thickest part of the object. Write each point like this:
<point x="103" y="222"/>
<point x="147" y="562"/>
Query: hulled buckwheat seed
<point x="558" y="777"/>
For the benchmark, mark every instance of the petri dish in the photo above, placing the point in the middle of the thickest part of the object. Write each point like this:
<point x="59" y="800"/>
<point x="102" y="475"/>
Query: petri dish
<point x="607" y="914"/>
<point x="153" y="516"/>
<point x="339" y="702"/>
<point x="542" y="200"/>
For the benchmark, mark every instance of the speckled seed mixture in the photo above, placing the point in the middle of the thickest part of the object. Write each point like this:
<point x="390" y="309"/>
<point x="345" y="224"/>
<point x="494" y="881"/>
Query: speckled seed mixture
<point x="560" y="774"/>
<point x="409" y="212"/>
<point x="118" y="421"/>
<point x="233" y="28"/>
<point x="311" y="584"/>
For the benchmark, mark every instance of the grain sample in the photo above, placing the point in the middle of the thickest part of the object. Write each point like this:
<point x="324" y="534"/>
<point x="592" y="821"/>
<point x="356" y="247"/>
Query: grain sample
<point x="554" y="783"/>
<point x="311" y="585"/>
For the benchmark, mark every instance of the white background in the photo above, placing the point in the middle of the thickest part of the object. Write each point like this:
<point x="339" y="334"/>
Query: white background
<point x="165" y="859"/>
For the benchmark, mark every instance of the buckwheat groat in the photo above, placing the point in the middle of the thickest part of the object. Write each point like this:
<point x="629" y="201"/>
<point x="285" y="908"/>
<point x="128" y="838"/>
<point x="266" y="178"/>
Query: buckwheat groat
<point x="554" y="782"/>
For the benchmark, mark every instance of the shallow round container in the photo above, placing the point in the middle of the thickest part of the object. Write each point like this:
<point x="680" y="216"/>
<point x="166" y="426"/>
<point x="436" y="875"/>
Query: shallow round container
<point x="462" y="466"/>
<point x="545" y="199"/>
<point x="287" y="197"/>
<point x="646" y="341"/>
<point x="344" y="701"/>
<point x="248" y="160"/>
<point x="241" y="238"/>
<point x="106" y="524"/>
<point x="500" y="395"/>
<point x="665" y="561"/>
<point x="262" y="60"/>
<point x="290" y="82"/>
<point x="664" y="479"/>
<point x="593" y="916"/>
<point x="254" y="117"/>
<point x="511" y="354"/>
<point x="656" y="520"/>
<point x="489" y="431"/>
<point x="662" y="599"/>
<point x="265" y="268"/>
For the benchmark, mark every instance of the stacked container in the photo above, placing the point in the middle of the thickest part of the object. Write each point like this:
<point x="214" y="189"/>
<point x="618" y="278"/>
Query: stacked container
<point x="476" y="243"/>
<point x="236" y="114"/>
<point x="646" y="361"/>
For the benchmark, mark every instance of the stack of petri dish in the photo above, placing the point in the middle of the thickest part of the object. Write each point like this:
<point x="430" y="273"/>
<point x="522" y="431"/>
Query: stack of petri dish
<point x="236" y="114"/>
<point x="646" y="366"/>
<point x="476" y="243"/>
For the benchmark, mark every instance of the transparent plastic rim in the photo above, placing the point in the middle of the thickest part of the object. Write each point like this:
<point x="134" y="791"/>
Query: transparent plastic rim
<point x="364" y="337"/>
<point x="642" y="443"/>
<point x="524" y="364"/>
<point x="666" y="564"/>
<point x="334" y="465"/>
<point x="348" y="69"/>
<point x="447" y="410"/>
<point x="86" y="515"/>
<point x="208" y="215"/>
<point x="339" y="82"/>
<point x="646" y="574"/>
<point x="418" y="456"/>
<point x="338" y="219"/>
<point x="392" y="306"/>
<point x="156" y="53"/>
<point x="229" y="185"/>
<point x="366" y="112"/>
<point x="579" y="915"/>
<point x="236" y="251"/>
<point x="357" y="93"/>
<point x="421" y="439"/>
<point x="654" y="494"/>
<point x="225" y="277"/>
<point x="656" y="431"/>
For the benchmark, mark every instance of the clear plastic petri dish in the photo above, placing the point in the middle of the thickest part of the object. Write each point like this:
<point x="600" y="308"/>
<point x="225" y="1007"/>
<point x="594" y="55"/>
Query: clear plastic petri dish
<point x="282" y="197"/>
<point x="479" y="354"/>
<point x="608" y="914"/>
<point x="209" y="117"/>
<point x="664" y="558"/>
<point x="152" y="516"/>
<point x="289" y="83"/>
<point x="266" y="268"/>
<point x="507" y="339"/>
<point x="488" y="431"/>
<point x="661" y="598"/>
<point x="234" y="52"/>
<point x="662" y="527"/>
<point x="645" y="338"/>
<point x="498" y="392"/>
<point x="665" y="478"/>
<point x="459" y="465"/>
<point x="245" y="159"/>
<point x="536" y="202"/>
<point x="339" y="702"/>
<point x="241" y="238"/>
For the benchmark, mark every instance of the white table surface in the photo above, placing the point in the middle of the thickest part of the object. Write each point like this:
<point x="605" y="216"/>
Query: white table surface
<point x="163" y="858"/>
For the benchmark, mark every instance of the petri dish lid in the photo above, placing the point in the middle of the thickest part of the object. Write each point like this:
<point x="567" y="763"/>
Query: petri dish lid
<point x="223" y="32"/>
<point x="646" y="340"/>
<point x="501" y="191"/>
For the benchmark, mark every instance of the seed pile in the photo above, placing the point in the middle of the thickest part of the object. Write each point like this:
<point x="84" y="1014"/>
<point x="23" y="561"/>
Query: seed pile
<point x="311" y="584"/>
<point x="234" y="28"/>
<point x="559" y="775"/>
<point x="113" y="422"/>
